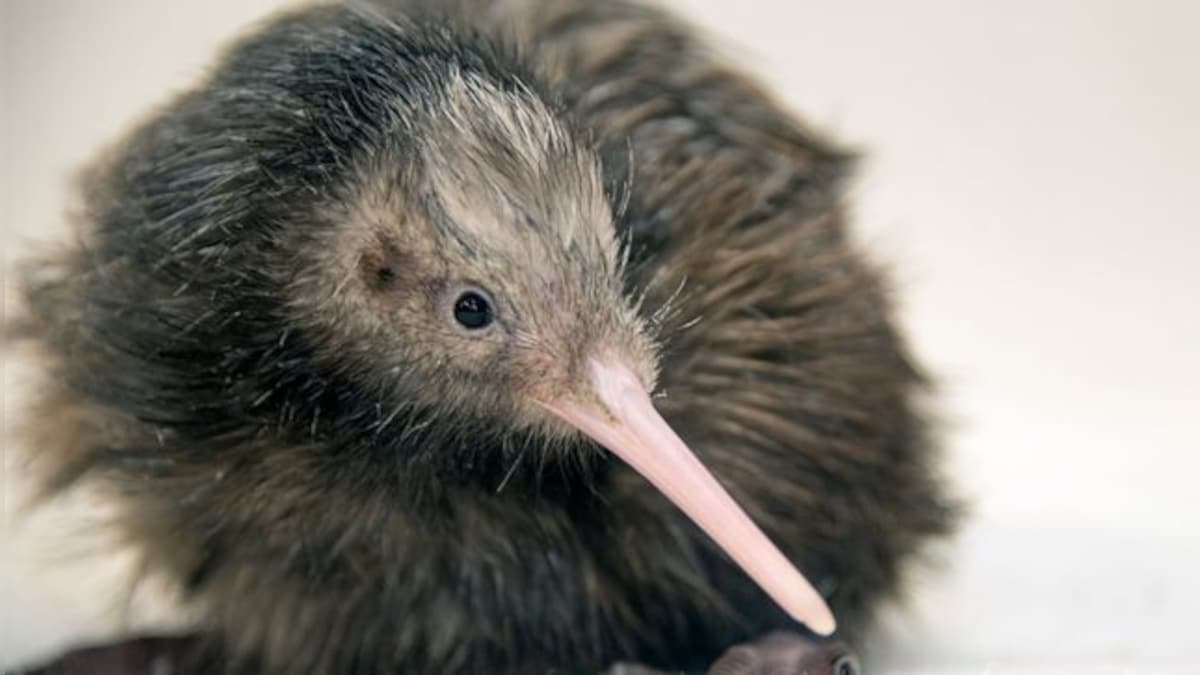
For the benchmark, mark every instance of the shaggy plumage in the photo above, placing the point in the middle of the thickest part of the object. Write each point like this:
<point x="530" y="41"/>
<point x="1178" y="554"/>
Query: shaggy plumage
<point x="247" y="345"/>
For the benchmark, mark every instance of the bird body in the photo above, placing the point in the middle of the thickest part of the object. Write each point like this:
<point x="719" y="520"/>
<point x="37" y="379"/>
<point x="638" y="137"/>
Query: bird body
<point x="328" y="311"/>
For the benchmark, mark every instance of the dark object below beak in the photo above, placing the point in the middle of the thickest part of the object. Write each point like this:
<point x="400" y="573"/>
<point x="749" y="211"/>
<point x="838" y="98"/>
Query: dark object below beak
<point x="779" y="653"/>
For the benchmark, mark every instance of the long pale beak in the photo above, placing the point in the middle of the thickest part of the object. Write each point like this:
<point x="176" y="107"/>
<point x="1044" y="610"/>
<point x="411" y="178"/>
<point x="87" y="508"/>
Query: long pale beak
<point x="624" y="420"/>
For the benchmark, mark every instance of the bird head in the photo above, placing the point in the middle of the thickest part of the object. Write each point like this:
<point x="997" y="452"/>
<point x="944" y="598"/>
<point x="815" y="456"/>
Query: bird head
<point x="472" y="262"/>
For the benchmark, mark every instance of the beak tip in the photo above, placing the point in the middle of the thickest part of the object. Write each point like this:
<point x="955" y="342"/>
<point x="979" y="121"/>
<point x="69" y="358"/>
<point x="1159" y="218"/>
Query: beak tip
<point x="823" y="625"/>
<point x="809" y="608"/>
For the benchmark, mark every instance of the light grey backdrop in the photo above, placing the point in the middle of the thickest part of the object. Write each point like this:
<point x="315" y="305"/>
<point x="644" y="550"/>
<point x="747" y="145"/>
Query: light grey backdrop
<point x="1032" y="177"/>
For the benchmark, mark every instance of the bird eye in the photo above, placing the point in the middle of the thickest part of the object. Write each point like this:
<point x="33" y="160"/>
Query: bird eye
<point x="472" y="310"/>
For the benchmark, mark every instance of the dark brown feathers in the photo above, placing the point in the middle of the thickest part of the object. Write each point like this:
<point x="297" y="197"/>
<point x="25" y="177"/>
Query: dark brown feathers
<point x="303" y="470"/>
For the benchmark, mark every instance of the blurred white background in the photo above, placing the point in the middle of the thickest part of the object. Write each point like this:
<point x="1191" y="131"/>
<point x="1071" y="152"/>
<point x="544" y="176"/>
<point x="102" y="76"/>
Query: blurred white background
<point x="1031" y="177"/>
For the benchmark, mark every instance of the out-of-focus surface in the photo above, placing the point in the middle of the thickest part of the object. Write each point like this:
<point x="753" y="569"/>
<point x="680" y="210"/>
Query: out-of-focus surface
<point x="1030" y="176"/>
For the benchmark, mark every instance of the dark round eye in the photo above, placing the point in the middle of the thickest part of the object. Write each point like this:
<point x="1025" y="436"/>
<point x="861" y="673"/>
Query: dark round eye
<point x="472" y="310"/>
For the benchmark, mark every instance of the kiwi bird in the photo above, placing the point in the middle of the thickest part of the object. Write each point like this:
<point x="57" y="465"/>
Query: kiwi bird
<point x="508" y="337"/>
